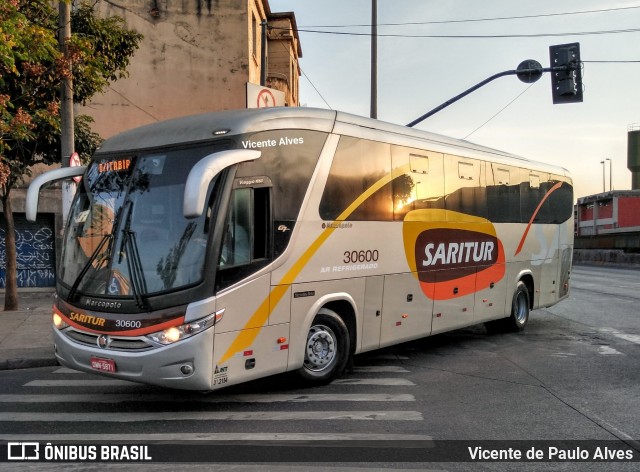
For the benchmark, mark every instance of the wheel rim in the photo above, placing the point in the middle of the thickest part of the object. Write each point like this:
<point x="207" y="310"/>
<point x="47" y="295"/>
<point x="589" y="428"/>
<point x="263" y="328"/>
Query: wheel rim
<point x="521" y="308"/>
<point x="321" y="351"/>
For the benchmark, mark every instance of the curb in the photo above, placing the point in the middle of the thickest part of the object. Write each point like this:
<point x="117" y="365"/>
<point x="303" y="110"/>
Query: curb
<point x="14" y="364"/>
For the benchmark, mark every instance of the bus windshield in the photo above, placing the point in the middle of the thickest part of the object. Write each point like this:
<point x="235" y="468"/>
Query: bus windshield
<point x="127" y="236"/>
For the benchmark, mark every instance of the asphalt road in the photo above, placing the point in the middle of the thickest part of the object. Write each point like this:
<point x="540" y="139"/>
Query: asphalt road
<point x="571" y="375"/>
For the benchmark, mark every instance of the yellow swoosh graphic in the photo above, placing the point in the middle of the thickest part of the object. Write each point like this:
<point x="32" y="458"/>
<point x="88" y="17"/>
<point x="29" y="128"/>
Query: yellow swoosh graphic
<point x="259" y="318"/>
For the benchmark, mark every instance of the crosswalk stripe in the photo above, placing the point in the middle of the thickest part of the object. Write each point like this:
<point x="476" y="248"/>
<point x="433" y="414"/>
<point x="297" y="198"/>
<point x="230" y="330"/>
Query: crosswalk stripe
<point x="66" y="370"/>
<point x="609" y="351"/>
<point x="129" y="417"/>
<point x="389" y="382"/>
<point x="213" y="398"/>
<point x="75" y="383"/>
<point x="79" y="383"/>
<point x="633" y="338"/>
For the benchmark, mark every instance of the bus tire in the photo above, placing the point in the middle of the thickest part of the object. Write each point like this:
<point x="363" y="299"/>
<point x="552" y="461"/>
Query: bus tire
<point x="327" y="348"/>
<point x="519" y="312"/>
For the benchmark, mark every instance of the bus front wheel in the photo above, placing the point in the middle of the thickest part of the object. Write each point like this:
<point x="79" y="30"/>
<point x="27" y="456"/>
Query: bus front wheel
<point x="327" y="348"/>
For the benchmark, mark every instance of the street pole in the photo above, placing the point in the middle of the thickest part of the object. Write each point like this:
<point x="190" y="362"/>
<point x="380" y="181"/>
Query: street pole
<point x="610" y="176"/>
<point x="374" y="59"/>
<point x="603" y="184"/>
<point x="66" y="107"/>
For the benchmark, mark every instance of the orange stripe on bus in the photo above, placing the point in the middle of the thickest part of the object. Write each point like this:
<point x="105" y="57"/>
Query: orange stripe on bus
<point x="533" y="217"/>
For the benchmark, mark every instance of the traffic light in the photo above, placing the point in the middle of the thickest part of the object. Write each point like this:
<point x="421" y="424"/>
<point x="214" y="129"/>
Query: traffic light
<point x="566" y="84"/>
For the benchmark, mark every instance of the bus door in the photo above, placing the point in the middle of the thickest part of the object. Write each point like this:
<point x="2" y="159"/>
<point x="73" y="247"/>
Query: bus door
<point x="248" y="339"/>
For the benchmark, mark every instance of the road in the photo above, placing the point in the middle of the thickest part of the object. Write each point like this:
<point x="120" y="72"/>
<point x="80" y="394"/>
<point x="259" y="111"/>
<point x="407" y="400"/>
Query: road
<point x="571" y="375"/>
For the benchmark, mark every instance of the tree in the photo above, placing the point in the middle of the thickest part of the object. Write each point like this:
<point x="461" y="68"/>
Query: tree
<point x="31" y="67"/>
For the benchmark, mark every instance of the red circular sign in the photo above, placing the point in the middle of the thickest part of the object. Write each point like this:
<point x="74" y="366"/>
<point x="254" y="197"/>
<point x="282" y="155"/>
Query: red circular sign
<point x="266" y="99"/>
<point x="74" y="161"/>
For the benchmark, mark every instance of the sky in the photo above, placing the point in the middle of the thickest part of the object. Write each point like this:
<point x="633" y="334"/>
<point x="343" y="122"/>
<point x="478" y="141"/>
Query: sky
<point x="416" y="74"/>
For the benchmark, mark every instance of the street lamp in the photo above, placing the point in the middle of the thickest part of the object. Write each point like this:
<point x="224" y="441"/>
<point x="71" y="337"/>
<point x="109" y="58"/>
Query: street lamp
<point x="603" y="188"/>
<point x="610" y="176"/>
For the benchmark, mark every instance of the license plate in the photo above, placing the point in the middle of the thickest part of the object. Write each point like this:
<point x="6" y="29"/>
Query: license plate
<point x="105" y="365"/>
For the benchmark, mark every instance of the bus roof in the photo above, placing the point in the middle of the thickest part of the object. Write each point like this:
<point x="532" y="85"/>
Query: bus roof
<point x="208" y="126"/>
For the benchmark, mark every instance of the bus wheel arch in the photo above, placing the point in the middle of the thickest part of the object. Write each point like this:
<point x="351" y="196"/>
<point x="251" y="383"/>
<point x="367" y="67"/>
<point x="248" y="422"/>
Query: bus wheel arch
<point x="521" y="306"/>
<point x="328" y="347"/>
<point x="527" y="280"/>
<point x="345" y="310"/>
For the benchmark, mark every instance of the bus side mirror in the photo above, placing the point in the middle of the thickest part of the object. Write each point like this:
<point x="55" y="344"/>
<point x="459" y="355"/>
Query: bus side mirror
<point x="33" y="193"/>
<point x="205" y="170"/>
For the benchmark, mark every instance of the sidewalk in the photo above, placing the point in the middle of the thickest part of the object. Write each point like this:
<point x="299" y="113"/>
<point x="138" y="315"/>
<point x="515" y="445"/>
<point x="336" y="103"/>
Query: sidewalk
<point x="26" y="339"/>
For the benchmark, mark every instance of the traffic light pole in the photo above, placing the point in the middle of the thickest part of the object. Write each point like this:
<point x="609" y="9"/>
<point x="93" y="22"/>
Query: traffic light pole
<point x="528" y="75"/>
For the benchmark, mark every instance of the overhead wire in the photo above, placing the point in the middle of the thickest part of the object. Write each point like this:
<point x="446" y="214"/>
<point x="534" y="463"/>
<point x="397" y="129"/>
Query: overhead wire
<point x="473" y="20"/>
<point x="304" y="74"/>
<point x="476" y="36"/>
<point x="501" y="110"/>
<point x="473" y="36"/>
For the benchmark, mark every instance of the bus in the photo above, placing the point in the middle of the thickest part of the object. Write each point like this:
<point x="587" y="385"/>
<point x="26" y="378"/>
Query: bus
<point x="211" y="250"/>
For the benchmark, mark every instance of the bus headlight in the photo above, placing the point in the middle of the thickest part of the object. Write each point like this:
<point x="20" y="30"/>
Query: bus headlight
<point x="178" y="333"/>
<point x="58" y="322"/>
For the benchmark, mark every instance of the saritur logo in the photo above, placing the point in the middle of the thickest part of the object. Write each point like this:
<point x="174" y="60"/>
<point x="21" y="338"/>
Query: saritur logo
<point x="452" y="254"/>
<point x="460" y="252"/>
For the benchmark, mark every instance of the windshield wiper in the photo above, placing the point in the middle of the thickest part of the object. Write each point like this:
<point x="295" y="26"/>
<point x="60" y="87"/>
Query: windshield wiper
<point x="134" y="263"/>
<point x="94" y="255"/>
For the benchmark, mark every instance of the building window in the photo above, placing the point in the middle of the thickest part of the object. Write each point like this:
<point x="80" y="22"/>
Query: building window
<point x="254" y="35"/>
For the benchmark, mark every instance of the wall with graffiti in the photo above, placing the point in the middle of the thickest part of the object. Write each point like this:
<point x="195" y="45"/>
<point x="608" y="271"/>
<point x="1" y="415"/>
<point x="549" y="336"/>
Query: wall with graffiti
<point x="35" y="245"/>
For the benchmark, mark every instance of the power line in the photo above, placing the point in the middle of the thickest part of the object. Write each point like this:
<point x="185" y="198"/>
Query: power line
<point x="473" y="36"/>
<point x="471" y="20"/>
<point x="132" y="103"/>
<point x="501" y="110"/>
<point x="612" y="62"/>
<point x="303" y="73"/>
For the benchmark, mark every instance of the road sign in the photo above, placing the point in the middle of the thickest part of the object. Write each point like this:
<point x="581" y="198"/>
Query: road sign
<point x="74" y="161"/>
<point x="264" y="97"/>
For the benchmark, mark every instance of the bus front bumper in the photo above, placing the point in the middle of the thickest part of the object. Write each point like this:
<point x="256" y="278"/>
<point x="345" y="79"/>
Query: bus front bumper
<point x="186" y="364"/>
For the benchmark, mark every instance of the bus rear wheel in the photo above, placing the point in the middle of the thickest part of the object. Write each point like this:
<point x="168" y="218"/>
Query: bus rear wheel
<point x="519" y="312"/>
<point x="327" y="348"/>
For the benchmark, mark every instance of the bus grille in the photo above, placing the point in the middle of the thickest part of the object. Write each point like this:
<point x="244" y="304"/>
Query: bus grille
<point x="115" y="342"/>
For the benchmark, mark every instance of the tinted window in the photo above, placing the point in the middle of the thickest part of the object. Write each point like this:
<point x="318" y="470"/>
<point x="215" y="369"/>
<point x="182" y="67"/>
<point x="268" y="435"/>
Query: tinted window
<point x="359" y="182"/>
<point x="288" y="158"/>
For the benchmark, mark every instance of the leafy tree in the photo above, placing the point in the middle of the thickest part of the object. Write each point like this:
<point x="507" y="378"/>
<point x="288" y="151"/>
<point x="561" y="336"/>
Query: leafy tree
<point x="31" y="69"/>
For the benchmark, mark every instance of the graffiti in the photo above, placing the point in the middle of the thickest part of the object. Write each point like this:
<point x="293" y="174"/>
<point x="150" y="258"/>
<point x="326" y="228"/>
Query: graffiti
<point x="35" y="257"/>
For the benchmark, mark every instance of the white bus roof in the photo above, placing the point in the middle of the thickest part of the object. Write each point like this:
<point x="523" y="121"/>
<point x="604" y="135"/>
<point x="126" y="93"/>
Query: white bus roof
<point x="208" y="126"/>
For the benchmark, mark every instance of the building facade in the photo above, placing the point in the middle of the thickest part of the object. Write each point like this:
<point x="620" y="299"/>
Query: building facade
<point x="196" y="57"/>
<point x="609" y="220"/>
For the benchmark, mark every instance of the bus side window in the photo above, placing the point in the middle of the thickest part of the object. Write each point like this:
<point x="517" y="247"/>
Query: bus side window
<point x="236" y="240"/>
<point x="246" y="238"/>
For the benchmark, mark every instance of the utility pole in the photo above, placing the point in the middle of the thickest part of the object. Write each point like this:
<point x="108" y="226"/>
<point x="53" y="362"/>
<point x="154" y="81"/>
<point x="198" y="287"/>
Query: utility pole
<point x="374" y="59"/>
<point x="66" y="107"/>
